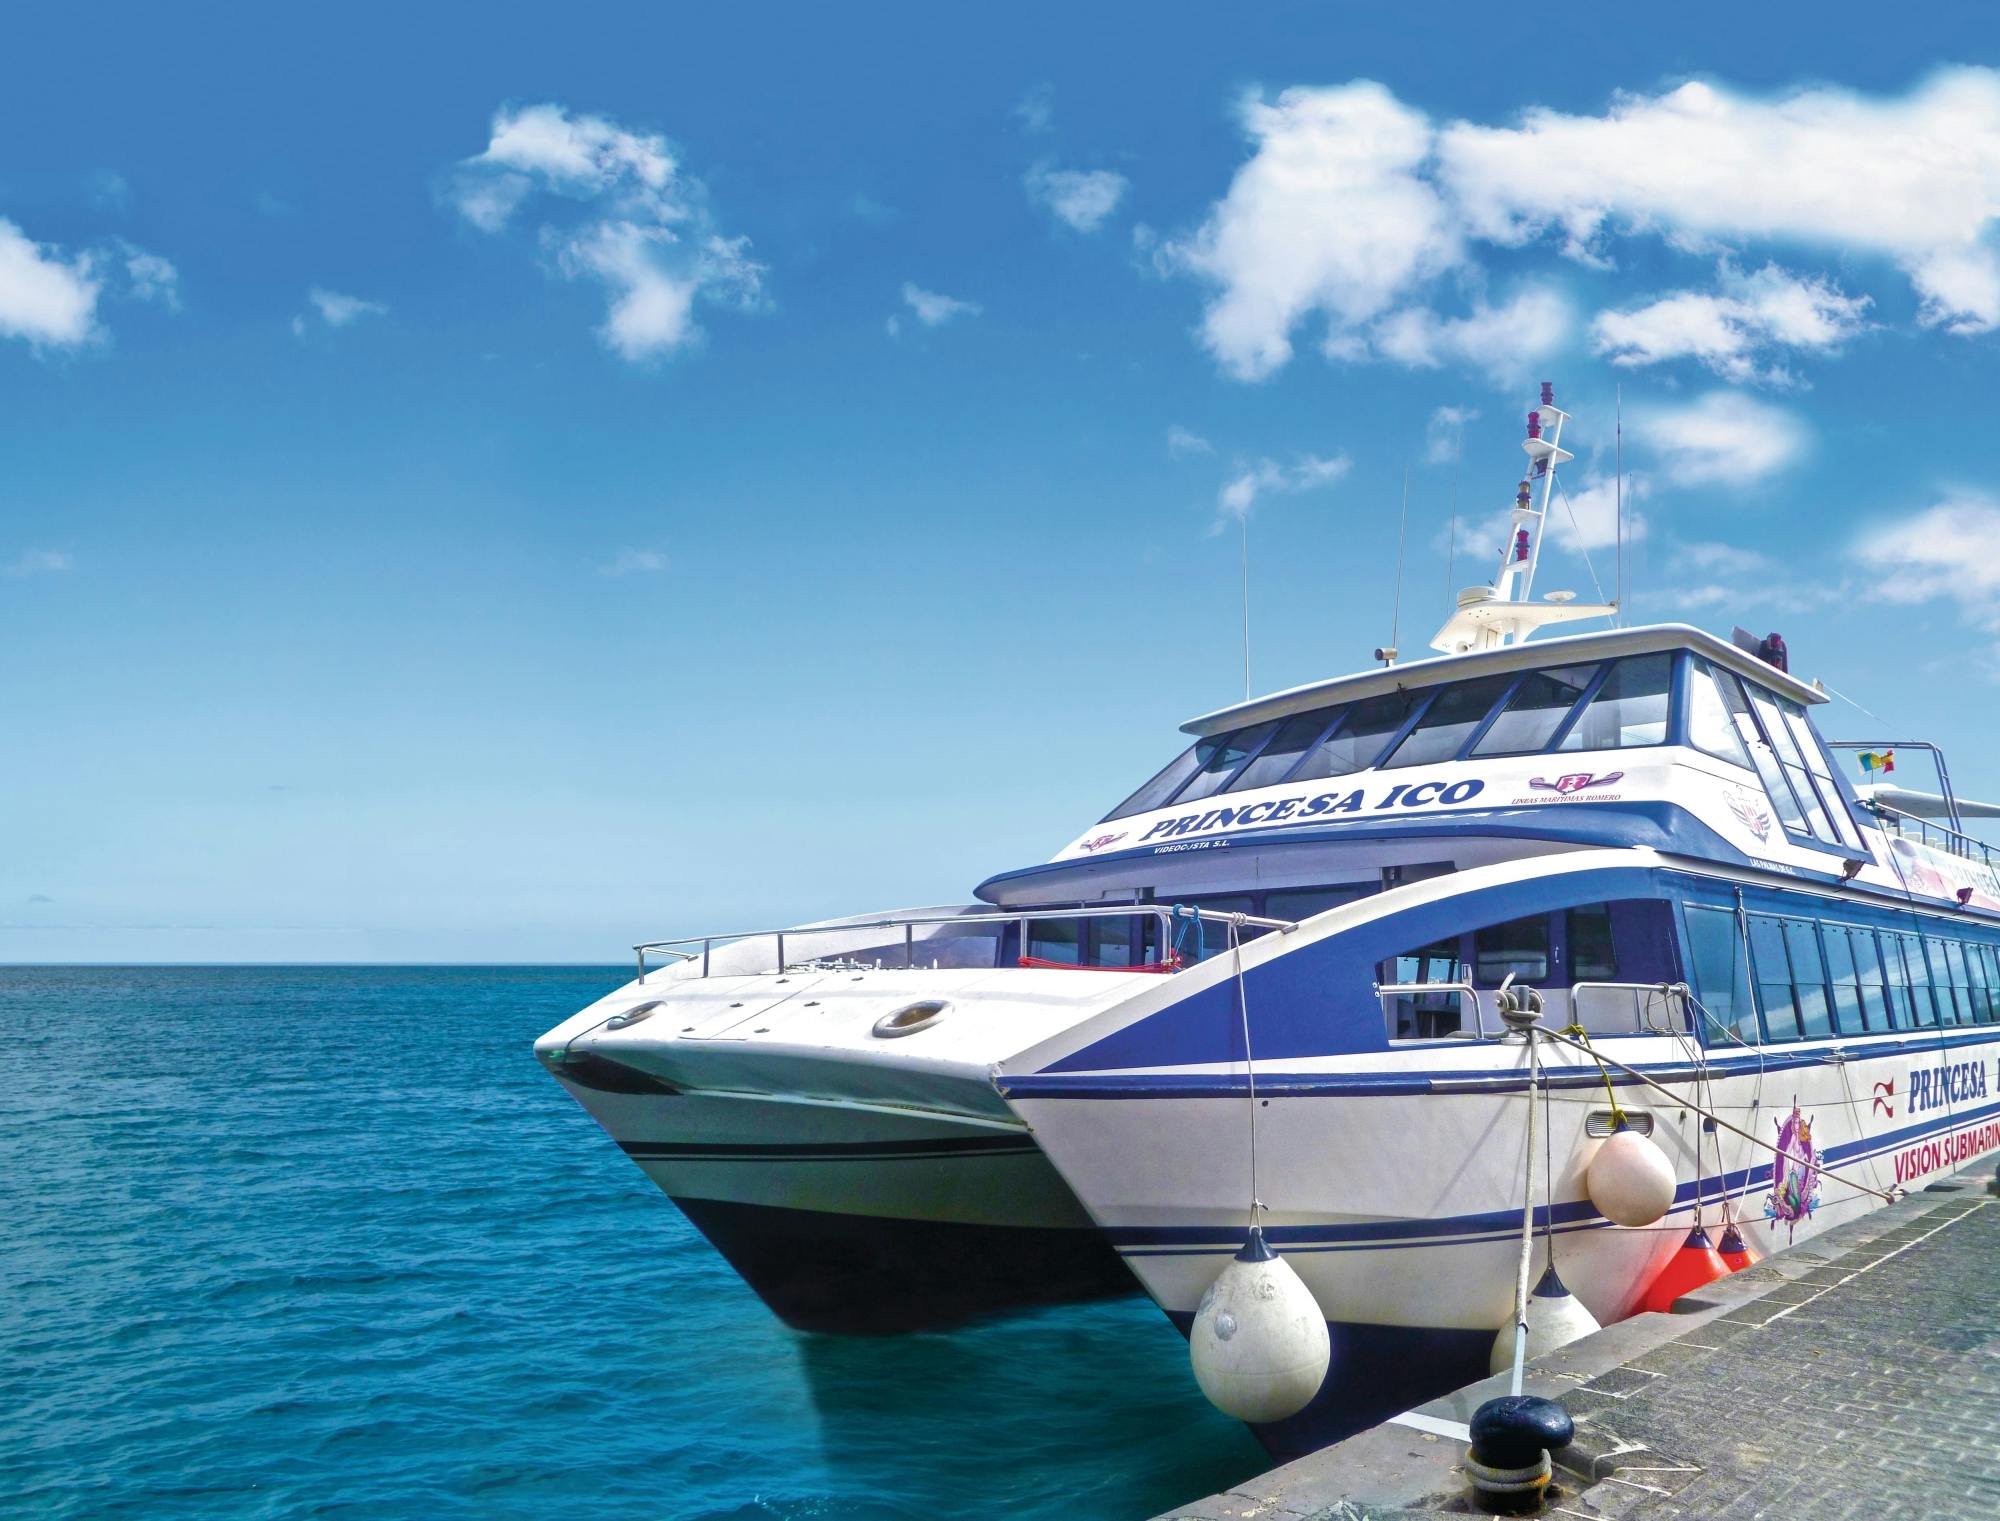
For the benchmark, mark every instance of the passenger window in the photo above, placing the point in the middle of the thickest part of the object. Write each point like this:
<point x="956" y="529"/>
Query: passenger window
<point x="1425" y="1016"/>
<point x="1055" y="940"/>
<point x="1198" y="942"/>
<point x="1221" y="765"/>
<point x="1294" y="737"/>
<point x="1774" y="977"/>
<point x="1709" y="726"/>
<point x="1519" y="947"/>
<point x="1961" y="984"/>
<point x="1123" y="942"/>
<point x="1629" y="709"/>
<point x="1591" y="958"/>
<point x="1847" y="1017"/>
<point x="1721" y="973"/>
<point x="1449" y="721"/>
<point x="1896" y="979"/>
<point x="1354" y="746"/>
<point x="1808" y="979"/>
<point x="1875" y="1005"/>
<point x="1296" y="903"/>
<point x="1922" y="994"/>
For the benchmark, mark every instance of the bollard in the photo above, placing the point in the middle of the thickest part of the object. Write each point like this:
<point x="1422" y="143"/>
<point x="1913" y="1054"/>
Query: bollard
<point x="1512" y="1437"/>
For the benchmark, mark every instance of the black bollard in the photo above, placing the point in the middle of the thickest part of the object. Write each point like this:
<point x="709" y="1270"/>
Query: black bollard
<point x="1512" y="1437"/>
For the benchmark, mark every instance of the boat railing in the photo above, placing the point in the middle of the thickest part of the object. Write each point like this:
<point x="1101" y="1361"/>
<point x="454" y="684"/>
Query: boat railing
<point x="1939" y="836"/>
<point x="702" y="947"/>
<point x="1645" y="998"/>
<point x="1466" y="993"/>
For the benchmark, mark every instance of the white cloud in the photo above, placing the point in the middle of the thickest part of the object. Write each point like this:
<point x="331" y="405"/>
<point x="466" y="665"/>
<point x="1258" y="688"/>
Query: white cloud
<point x="1181" y="443"/>
<point x="1728" y="328"/>
<point x="1081" y="198"/>
<point x="1328" y="217"/>
<point x="1445" y="432"/>
<point x="1914" y="179"/>
<point x="1721" y="559"/>
<point x="1949" y="552"/>
<point x="616" y="209"/>
<point x="45" y="298"/>
<point x="336" y="310"/>
<point x="40" y="562"/>
<point x="148" y="277"/>
<point x="934" y="310"/>
<point x="1267" y="477"/>
<point x="1587" y="518"/>
<point x="629" y="562"/>
<point x="1507" y="342"/>
<point x="1036" y="110"/>
<point x="1724" y="437"/>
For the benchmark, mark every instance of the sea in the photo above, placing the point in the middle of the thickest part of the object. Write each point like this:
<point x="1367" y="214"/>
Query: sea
<point x="326" y="1241"/>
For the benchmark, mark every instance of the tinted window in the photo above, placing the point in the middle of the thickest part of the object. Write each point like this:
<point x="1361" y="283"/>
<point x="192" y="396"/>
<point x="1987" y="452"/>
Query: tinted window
<point x="1590" y="955"/>
<point x="1296" y="903"/>
<point x="1055" y="940"/>
<point x="1123" y="942"/>
<point x="1354" y="745"/>
<point x="1774" y="977"/>
<point x="1922" y="997"/>
<point x="1815" y="759"/>
<point x="1896" y="982"/>
<point x="1761" y="755"/>
<point x="1710" y="727"/>
<point x="1721" y="981"/>
<point x="1868" y="977"/>
<point x="1197" y="941"/>
<point x="1808" y="978"/>
<point x="1171" y="778"/>
<point x="1535" y="711"/>
<point x="1520" y="947"/>
<point x="1629" y="709"/>
<point x="1781" y="739"/>
<point x="1223" y="761"/>
<point x="1846" y="982"/>
<point x="1294" y="737"/>
<point x="1449" y="721"/>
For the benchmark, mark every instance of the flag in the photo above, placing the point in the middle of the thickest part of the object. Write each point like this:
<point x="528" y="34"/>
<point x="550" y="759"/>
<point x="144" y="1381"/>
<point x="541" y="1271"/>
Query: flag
<point x="1877" y="762"/>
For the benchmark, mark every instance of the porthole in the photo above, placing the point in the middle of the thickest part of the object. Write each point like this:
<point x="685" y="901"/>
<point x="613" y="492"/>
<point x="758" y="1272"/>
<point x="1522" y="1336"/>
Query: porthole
<point x="911" y="1018"/>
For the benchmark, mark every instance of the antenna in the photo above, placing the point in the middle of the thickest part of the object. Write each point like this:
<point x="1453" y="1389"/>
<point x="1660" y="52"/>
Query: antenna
<point x="1451" y="547"/>
<point x="1244" y="520"/>
<point x="1618" y="579"/>
<point x="1388" y="656"/>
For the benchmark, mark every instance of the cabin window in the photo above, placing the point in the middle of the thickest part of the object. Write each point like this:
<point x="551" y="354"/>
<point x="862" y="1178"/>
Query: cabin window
<point x="1359" y="740"/>
<point x="1056" y="940"/>
<point x="1720" y="971"/>
<point x="1960" y="979"/>
<point x="1221" y="765"/>
<point x="1449" y="721"/>
<point x="1774" y="977"/>
<point x="1630" y="708"/>
<point x="1981" y="989"/>
<point x="1591" y="956"/>
<point x="1296" y="903"/>
<point x="1710" y="728"/>
<point x="1808" y="979"/>
<point x="1535" y="711"/>
<point x="1519" y="948"/>
<point x="1875" y="1005"/>
<point x="1295" y="736"/>
<point x="1426" y="1016"/>
<point x="1922" y="998"/>
<point x="1845" y="981"/>
<point x="1121" y="941"/>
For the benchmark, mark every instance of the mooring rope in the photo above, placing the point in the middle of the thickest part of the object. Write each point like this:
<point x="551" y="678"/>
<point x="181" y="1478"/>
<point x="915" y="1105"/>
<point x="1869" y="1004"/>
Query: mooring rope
<point x="1249" y="1064"/>
<point x="1527" y="1224"/>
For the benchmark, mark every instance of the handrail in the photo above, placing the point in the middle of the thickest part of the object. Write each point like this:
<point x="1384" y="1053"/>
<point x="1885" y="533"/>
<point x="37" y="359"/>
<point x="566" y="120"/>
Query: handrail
<point x="1667" y="990"/>
<point x="1956" y="841"/>
<point x="1465" y="990"/>
<point x="1164" y="912"/>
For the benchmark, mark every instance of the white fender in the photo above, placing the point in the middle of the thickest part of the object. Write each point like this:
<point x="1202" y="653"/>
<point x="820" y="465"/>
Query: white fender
<point x="1259" y="1340"/>
<point x="1630" y="1180"/>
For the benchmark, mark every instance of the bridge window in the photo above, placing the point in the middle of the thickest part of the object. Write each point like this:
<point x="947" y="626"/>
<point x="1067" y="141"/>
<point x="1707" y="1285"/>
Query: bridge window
<point x="1449" y="721"/>
<point x="1170" y="779"/>
<point x="1710" y="727"/>
<point x="1535" y="711"/>
<point x="1294" y="737"/>
<point x="1221" y="764"/>
<point x="1630" y="708"/>
<point x="1356" y="744"/>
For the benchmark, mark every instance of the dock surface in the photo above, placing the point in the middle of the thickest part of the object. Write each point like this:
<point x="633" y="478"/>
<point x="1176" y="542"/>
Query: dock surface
<point x="1856" y="1375"/>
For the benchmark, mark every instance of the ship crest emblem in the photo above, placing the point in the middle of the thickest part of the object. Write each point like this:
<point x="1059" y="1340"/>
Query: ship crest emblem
<point x="1576" y="781"/>
<point x="1103" y="840"/>
<point x="1750" y="809"/>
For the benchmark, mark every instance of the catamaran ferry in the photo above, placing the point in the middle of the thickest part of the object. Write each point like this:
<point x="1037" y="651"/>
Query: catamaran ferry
<point x="1270" y="986"/>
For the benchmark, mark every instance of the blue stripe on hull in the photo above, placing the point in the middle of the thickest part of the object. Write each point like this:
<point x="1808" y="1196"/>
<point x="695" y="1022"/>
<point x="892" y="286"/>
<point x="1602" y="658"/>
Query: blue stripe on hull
<point x="1375" y="1372"/>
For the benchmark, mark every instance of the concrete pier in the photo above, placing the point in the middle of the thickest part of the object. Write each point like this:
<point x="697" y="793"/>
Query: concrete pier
<point x="1853" y="1376"/>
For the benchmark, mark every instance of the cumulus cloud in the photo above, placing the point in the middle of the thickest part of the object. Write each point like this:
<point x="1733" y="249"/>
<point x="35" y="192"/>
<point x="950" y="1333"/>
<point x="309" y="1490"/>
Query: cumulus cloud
<point x="932" y="309"/>
<point x="1444" y="433"/>
<point x="1947" y="552"/>
<point x="40" y="562"/>
<point x="1181" y="443"/>
<point x="1328" y="217"/>
<point x="46" y="298"/>
<point x="148" y="277"/>
<point x="634" y="562"/>
<point x="1729" y="328"/>
<point x="614" y="207"/>
<point x="1036" y="109"/>
<point x="1915" y="179"/>
<point x="336" y="310"/>
<point x="1507" y="342"/>
<point x="1352" y="205"/>
<point x="1725" y="437"/>
<point x="1267" y="477"/>
<point x="1079" y="198"/>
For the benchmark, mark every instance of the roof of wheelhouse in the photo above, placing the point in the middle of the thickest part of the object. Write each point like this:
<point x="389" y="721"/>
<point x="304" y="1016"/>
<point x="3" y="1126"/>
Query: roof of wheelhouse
<point x="1568" y="649"/>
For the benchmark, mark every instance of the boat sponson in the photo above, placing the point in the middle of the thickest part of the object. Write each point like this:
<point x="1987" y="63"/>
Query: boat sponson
<point x="872" y="1276"/>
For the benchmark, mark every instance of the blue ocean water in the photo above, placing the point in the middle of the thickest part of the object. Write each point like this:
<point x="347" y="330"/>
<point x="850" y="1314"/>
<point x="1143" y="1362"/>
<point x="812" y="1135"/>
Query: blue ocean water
<point x="282" y="1242"/>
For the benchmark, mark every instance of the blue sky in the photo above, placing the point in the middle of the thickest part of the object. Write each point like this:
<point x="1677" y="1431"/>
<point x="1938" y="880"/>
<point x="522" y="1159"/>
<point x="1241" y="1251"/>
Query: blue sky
<point x="500" y="487"/>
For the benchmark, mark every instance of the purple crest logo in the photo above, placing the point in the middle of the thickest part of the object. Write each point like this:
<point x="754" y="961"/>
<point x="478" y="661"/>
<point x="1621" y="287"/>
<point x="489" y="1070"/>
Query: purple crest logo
<point x="1103" y="840"/>
<point x="1750" y="809"/>
<point x="1576" y="781"/>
